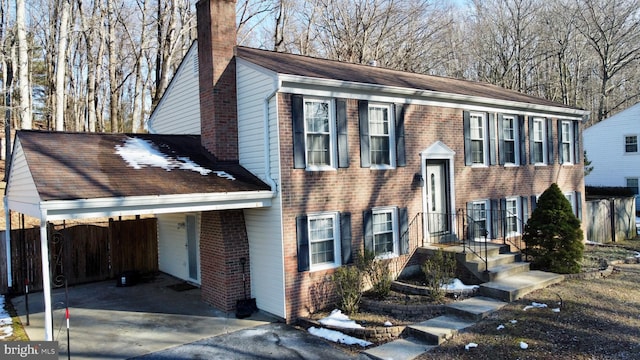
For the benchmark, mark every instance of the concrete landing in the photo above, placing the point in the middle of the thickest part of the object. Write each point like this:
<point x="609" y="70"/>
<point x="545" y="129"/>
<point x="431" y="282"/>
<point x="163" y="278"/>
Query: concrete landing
<point x="475" y="308"/>
<point x="440" y="329"/>
<point x="513" y="287"/>
<point x="401" y="349"/>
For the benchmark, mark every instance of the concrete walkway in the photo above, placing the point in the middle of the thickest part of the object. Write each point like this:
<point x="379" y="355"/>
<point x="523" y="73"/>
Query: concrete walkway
<point x="110" y="322"/>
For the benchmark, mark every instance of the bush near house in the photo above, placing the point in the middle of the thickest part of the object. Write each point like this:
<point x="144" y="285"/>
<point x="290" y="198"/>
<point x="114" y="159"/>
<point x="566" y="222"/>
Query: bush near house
<point x="553" y="234"/>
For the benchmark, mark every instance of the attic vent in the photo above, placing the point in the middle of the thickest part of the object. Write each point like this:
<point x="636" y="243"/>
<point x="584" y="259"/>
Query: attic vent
<point x="373" y="63"/>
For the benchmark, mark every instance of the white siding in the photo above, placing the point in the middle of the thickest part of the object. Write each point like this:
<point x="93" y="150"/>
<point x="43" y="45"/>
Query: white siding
<point x="178" y="112"/>
<point x="172" y="250"/>
<point x="264" y="226"/>
<point x="605" y="147"/>
<point x="21" y="189"/>
<point x="253" y="87"/>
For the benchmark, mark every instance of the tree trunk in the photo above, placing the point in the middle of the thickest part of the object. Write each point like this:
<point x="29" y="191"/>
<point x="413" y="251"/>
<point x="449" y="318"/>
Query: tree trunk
<point x="24" y="85"/>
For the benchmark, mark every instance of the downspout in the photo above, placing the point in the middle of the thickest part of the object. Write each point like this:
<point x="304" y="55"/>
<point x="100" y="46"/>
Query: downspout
<point x="46" y="277"/>
<point x="267" y="142"/>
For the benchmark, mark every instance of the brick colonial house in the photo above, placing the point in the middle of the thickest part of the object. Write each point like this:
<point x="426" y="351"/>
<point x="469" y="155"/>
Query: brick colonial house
<point x="357" y="157"/>
<point x="302" y="163"/>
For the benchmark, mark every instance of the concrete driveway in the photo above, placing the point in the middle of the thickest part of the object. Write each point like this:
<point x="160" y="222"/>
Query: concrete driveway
<point x="110" y="322"/>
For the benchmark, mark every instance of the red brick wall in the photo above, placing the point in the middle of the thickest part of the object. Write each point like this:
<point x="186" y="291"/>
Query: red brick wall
<point x="223" y="243"/>
<point x="357" y="189"/>
<point x="218" y="104"/>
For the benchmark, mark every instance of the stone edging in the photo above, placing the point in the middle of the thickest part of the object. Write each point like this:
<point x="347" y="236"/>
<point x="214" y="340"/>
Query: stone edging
<point x="603" y="273"/>
<point x="375" y="334"/>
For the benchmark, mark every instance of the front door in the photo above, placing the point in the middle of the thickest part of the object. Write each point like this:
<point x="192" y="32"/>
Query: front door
<point x="192" y="247"/>
<point x="437" y="191"/>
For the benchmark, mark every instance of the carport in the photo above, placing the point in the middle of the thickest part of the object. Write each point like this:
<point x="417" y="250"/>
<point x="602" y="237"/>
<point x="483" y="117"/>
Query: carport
<point x="60" y="176"/>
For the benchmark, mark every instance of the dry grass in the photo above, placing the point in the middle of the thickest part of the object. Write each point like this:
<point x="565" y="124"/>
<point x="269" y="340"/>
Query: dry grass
<point x="598" y="319"/>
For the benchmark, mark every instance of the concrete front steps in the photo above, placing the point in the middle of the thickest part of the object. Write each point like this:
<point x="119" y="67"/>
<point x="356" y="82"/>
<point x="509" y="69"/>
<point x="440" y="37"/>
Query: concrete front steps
<point x="426" y="335"/>
<point x="507" y="279"/>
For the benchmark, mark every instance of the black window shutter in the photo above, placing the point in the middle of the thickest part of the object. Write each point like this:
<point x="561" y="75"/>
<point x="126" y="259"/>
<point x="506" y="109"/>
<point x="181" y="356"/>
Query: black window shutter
<point x="498" y="212"/>
<point x="363" y="114"/>
<point x="576" y="141"/>
<point x="532" y="157"/>
<point x="501" y="154"/>
<point x="524" y="210"/>
<point x="401" y="159"/>
<point x="297" y="115"/>
<point x="561" y="158"/>
<point x="404" y="230"/>
<point x="466" y="119"/>
<point x="470" y="215"/>
<point x="345" y="238"/>
<point x="303" y="243"/>
<point x="368" y="230"/>
<point x="343" y="142"/>
<point x="522" y="140"/>
<point x="550" y="146"/>
<point x="579" y="205"/>
<point x="491" y="125"/>
<point x="534" y="202"/>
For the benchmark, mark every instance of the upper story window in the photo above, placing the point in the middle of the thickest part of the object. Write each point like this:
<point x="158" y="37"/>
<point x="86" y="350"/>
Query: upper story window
<point x="566" y="142"/>
<point x="477" y="138"/>
<point x="479" y="128"/>
<point x="539" y="142"/>
<point x="511" y="136"/>
<point x="509" y="130"/>
<point x="320" y="131"/>
<point x="381" y="136"/>
<point x="631" y="144"/>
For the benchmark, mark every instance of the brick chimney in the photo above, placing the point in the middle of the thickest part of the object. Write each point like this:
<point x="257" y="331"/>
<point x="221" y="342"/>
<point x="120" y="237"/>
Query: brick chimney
<point x="218" y="104"/>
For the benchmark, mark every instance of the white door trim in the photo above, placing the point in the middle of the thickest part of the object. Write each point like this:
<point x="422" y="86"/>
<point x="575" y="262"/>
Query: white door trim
<point x="438" y="151"/>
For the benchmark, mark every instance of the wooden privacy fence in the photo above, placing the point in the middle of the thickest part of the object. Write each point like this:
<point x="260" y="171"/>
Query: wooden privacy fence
<point x="608" y="220"/>
<point x="82" y="253"/>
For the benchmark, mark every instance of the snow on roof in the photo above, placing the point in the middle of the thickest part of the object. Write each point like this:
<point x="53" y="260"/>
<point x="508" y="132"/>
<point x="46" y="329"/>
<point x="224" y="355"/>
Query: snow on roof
<point x="140" y="153"/>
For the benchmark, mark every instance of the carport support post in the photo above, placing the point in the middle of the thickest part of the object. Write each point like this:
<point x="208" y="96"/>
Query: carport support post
<point x="7" y="239"/>
<point x="46" y="278"/>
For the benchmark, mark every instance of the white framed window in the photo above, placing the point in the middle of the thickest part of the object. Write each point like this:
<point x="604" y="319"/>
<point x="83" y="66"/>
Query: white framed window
<point x="539" y="151"/>
<point x="566" y="144"/>
<point x="381" y="136"/>
<point x="510" y="137"/>
<point x="324" y="240"/>
<point x="513" y="226"/>
<point x="631" y="144"/>
<point x="320" y="134"/>
<point x="480" y="213"/>
<point x="571" y="197"/>
<point x="478" y="134"/>
<point x="385" y="231"/>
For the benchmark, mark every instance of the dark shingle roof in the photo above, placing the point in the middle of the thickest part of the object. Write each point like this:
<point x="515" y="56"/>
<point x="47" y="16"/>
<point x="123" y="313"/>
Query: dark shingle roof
<point x="328" y="69"/>
<point x="67" y="166"/>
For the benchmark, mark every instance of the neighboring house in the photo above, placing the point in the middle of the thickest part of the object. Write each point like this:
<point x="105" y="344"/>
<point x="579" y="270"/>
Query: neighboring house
<point x="612" y="147"/>
<point x="349" y="156"/>
<point x="356" y="153"/>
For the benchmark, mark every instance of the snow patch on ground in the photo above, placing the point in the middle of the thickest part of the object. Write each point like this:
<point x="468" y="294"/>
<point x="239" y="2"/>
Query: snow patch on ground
<point x="6" y="324"/>
<point x="340" y="320"/>
<point x="457" y="285"/>
<point x="337" y="336"/>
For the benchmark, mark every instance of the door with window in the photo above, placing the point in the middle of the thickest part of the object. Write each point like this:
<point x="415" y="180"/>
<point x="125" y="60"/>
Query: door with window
<point x="192" y="248"/>
<point x="437" y="192"/>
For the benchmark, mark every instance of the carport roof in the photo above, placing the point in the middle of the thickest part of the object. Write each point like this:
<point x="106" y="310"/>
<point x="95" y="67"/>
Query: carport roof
<point x="89" y="174"/>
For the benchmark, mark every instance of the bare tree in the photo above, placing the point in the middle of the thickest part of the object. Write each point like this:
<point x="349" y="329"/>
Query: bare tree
<point x="24" y="84"/>
<point x="612" y="28"/>
<point x="61" y="64"/>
